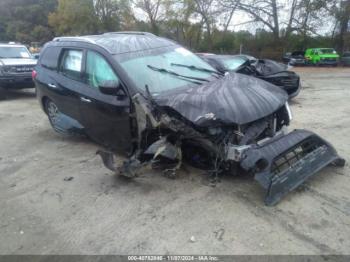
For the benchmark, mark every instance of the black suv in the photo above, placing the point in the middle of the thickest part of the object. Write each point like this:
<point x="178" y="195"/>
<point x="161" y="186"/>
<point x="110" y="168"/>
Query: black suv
<point x="16" y="66"/>
<point x="161" y="104"/>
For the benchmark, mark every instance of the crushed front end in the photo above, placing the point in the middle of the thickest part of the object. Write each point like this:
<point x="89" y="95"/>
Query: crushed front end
<point x="220" y="139"/>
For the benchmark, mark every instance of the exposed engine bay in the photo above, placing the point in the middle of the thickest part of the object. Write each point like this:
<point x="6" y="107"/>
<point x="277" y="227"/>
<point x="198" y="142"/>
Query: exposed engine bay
<point x="175" y="128"/>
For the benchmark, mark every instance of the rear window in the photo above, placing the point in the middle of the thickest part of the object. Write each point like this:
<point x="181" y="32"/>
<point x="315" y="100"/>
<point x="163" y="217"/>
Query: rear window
<point x="71" y="63"/>
<point x="49" y="58"/>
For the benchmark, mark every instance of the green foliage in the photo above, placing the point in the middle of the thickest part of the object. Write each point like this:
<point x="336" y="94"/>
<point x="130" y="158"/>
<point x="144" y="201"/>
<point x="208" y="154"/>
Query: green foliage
<point x="25" y="20"/>
<point x="201" y="25"/>
<point x="74" y="17"/>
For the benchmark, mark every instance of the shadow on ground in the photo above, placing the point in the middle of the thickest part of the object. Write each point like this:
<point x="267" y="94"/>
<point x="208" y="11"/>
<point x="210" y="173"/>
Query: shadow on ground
<point x="16" y="94"/>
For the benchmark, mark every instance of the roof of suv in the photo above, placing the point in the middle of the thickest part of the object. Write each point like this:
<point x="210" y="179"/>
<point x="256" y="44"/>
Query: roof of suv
<point x="122" y="42"/>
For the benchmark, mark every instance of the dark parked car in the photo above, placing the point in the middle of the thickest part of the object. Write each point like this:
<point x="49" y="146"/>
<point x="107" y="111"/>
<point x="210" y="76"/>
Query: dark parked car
<point x="16" y="66"/>
<point x="160" y="104"/>
<point x="296" y="58"/>
<point x="265" y="69"/>
<point x="345" y="59"/>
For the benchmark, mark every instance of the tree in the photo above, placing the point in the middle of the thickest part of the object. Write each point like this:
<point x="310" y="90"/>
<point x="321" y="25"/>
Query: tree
<point x="209" y="11"/>
<point x="341" y="11"/>
<point x="113" y="14"/>
<point x="74" y="17"/>
<point x="154" y="11"/>
<point x="26" y="20"/>
<point x="266" y="12"/>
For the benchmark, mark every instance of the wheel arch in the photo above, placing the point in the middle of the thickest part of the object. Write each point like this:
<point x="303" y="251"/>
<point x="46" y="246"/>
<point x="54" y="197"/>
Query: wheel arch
<point x="44" y="100"/>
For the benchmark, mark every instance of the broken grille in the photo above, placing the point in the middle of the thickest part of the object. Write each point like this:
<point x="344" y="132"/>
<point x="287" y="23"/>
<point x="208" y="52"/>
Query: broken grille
<point x="291" y="157"/>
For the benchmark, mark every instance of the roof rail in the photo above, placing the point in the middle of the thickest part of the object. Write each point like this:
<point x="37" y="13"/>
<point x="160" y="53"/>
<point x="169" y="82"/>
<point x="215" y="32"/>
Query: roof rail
<point x="73" y="38"/>
<point x="129" y="33"/>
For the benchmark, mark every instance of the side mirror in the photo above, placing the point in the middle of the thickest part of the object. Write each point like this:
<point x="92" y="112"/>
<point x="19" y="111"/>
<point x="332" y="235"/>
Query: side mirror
<point x="111" y="87"/>
<point x="36" y="56"/>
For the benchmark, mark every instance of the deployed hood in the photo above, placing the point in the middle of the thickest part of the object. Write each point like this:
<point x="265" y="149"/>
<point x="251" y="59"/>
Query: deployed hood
<point x="17" y="61"/>
<point x="233" y="99"/>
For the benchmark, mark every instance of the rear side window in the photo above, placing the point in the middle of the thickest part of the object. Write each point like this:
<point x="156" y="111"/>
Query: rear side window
<point x="49" y="58"/>
<point x="71" y="63"/>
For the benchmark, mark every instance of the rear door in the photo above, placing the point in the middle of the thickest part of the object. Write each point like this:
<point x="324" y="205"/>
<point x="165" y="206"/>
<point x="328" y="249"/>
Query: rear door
<point x="105" y="117"/>
<point x="69" y="81"/>
<point x="60" y="77"/>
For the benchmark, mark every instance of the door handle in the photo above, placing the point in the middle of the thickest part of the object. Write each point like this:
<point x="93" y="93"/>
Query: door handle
<point x="86" y="100"/>
<point x="52" y="85"/>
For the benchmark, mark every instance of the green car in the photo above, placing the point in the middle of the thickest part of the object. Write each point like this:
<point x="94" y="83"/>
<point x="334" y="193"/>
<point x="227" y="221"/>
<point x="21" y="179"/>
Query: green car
<point x="322" y="56"/>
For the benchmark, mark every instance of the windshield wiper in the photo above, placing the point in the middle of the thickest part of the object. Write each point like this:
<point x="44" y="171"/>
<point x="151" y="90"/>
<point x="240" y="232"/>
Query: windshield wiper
<point x="192" y="67"/>
<point x="184" y="77"/>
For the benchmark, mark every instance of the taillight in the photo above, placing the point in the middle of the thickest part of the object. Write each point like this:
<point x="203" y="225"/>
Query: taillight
<point x="34" y="74"/>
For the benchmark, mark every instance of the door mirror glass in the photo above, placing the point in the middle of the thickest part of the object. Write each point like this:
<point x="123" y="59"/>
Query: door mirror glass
<point x="111" y="87"/>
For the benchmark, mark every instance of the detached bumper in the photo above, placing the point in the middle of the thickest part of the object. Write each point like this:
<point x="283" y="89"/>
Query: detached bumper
<point x="285" y="162"/>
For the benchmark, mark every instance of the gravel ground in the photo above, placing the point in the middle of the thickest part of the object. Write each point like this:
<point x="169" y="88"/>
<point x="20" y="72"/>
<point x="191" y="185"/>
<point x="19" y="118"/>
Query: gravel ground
<point x="57" y="197"/>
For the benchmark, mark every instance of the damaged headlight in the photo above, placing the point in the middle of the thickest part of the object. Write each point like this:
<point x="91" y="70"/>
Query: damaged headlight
<point x="290" y="116"/>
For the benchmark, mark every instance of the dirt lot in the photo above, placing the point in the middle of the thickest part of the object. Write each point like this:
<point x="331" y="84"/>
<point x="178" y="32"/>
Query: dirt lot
<point x="99" y="213"/>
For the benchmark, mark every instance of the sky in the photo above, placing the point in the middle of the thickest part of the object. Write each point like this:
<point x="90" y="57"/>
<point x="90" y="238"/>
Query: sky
<point x="241" y="21"/>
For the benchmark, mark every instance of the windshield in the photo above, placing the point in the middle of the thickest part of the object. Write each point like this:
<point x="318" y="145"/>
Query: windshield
<point x="160" y="69"/>
<point x="14" y="52"/>
<point x="232" y="63"/>
<point x="327" y="51"/>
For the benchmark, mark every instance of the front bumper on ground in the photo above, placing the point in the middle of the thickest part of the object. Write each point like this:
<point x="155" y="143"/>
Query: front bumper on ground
<point x="283" y="163"/>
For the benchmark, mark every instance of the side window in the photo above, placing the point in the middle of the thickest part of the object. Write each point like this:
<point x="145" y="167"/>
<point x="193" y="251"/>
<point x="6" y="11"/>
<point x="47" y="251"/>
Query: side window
<point x="49" y="58"/>
<point x="98" y="70"/>
<point x="71" y="64"/>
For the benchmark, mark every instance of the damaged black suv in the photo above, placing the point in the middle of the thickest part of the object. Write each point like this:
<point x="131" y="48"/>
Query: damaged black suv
<point x="160" y="104"/>
<point x="265" y="69"/>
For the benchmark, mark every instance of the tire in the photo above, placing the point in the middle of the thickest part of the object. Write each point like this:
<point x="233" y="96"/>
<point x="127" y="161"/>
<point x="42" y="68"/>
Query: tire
<point x="53" y="114"/>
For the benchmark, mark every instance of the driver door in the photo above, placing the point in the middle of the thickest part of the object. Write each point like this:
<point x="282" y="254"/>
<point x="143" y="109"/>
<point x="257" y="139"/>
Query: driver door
<point x="105" y="117"/>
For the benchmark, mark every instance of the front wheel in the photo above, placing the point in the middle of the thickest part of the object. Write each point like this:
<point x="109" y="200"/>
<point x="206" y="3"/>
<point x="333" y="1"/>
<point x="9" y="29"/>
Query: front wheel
<point x="54" y="116"/>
